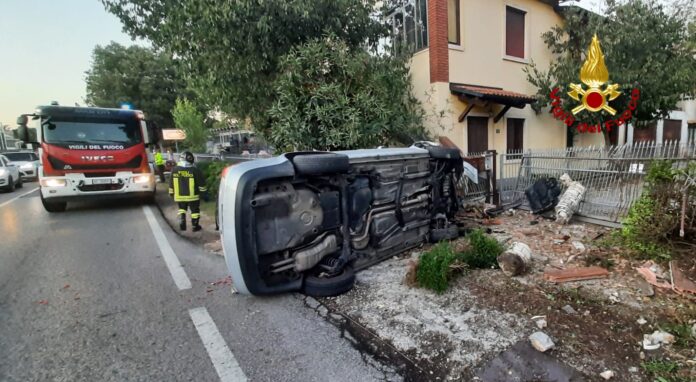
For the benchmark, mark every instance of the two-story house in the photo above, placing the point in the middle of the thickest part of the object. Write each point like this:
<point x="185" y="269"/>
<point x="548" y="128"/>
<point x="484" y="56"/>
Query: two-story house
<point x="467" y="70"/>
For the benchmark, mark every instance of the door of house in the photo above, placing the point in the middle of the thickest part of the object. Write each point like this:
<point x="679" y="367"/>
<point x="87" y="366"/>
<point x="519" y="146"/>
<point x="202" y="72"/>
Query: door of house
<point x="671" y="131"/>
<point x="477" y="134"/>
<point x="645" y="134"/>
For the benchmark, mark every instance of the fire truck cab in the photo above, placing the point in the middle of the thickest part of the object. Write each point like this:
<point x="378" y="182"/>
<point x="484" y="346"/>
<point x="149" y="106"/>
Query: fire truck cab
<point x="90" y="153"/>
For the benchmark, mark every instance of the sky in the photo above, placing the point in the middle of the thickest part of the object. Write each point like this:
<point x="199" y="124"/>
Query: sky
<point x="46" y="47"/>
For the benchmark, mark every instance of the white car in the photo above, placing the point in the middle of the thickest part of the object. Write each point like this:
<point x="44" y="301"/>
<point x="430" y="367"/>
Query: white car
<point x="9" y="175"/>
<point x="27" y="162"/>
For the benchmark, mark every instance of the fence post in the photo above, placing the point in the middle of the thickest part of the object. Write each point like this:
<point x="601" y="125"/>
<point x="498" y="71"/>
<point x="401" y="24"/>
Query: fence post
<point x="494" y="198"/>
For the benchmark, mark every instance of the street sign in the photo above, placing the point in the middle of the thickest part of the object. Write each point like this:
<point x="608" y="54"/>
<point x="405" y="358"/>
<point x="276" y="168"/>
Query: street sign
<point x="173" y="134"/>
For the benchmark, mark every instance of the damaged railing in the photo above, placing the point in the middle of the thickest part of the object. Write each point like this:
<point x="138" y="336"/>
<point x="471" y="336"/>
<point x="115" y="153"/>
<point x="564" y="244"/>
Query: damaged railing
<point x="613" y="176"/>
<point x="479" y="179"/>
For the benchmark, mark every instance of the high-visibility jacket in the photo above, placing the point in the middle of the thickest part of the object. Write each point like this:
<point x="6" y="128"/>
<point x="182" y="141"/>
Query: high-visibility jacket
<point x="186" y="184"/>
<point x="159" y="161"/>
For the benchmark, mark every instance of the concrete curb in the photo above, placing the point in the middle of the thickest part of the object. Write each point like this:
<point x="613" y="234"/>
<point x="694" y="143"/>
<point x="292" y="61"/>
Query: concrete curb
<point x="168" y="209"/>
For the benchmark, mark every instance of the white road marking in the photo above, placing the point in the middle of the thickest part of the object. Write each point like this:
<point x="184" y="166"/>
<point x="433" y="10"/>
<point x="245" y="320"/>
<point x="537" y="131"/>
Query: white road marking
<point x="225" y="364"/>
<point x="3" y="204"/>
<point x="175" y="269"/>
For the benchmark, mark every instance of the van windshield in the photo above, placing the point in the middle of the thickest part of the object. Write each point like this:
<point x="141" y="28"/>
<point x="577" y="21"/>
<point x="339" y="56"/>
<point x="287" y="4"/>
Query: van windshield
<point x="85" y="134"/>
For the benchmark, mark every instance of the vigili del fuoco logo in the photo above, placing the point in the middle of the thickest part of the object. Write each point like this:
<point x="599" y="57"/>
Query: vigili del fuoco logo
<point x="596" y="97"/>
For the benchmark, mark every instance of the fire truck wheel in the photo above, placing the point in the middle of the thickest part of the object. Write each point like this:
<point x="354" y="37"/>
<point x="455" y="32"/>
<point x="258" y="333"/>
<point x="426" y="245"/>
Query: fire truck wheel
<point x="54" y="206"/>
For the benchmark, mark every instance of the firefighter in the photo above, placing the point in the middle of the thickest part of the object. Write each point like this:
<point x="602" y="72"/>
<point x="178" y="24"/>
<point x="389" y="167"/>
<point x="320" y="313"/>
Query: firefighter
<point x="187" y="186"/>
<point x="159" y="163"/>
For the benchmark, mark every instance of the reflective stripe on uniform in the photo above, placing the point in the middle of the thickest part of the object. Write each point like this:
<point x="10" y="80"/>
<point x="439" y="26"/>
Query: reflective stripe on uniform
<point x="176" y="189"/>
<point x="186" y="198"/>
<point x="202" y="189"/>
<point x="171" y="190"/>
<point x="181" y="212"/>
<point x="195" y="216"/>
<point x="191" y="186"/>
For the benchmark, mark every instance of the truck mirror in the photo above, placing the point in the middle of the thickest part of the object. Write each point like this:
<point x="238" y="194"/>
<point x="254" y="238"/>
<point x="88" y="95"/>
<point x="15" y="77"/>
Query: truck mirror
<point x="145" y="132"/>
<point x="21" y="133"/>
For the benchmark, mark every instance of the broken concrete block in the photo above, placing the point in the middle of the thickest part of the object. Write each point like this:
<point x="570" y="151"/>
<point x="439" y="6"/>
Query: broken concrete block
<point x="642" y="321"/>
<point x="580" y="247"/>
<point x="607" y="374"/>
<point x="541" y="323"/>
<point x="569" y="202"/>
<point x="569" y="309"/>
<point x="657" y="338"/>
<point x="540" y="341"/>
<point x="516" y="260"/>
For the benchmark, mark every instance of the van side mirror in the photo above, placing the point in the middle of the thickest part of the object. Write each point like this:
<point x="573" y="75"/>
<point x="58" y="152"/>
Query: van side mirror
<point x="22" y="120"/>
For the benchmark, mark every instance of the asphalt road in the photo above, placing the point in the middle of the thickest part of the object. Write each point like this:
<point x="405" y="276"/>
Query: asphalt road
<point x="86" y="295"/>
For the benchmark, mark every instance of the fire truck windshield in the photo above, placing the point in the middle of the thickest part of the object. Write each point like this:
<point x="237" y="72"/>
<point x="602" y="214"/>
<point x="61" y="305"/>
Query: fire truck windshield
<point x="91" y="134"/>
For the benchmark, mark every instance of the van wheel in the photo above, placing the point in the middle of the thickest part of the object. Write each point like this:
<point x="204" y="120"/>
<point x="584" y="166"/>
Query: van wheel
<point x="321" y="164"/>
<point x="54" y="206"/>
<point x="11" y="185"/>
<point x="439" y="152"/>
<point x="316" y="286"/>
<point x="20" y="183"/>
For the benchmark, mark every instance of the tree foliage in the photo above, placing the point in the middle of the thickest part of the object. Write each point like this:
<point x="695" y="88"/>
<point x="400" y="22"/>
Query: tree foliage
<point x="331" y="97"/>
<point x="147" y="79"/>
<point x="232" y="49"/>
<point x="188" y="118"/>
<point x="645" y="47"/>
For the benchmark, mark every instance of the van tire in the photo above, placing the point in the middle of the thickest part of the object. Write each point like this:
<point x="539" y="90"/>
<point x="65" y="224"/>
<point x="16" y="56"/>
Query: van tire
<point x="439" y="234"/>
<point x="10" y="184"/>
<point x="332" y="286"/>
<point x="321" y="164"/>
<point x="439" y="152"/>
<point x="20" y="183"/>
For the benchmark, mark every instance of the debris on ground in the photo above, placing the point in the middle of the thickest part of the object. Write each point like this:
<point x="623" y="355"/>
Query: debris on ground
<point x="569" y="202"/>
<point x="516" y="260"/>
<point x="575" y="274"/>
<point x="541" y="342"/>
<point x="608" y="374"/>
<point x="653" y="273"/>
<point x="657" y="338"/>
<point x="42" y="302"/>
<point x="540" y="321"/>
<point x="569" y="309"/>
<point x="680" y="283"/>
<point x="641" y="321"/>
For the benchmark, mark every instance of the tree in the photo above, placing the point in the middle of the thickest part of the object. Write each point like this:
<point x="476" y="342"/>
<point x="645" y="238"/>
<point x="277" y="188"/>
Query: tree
<point x="141" y="76"/>
<point x="231" y="49"/>
<point x="644" y="48"/>
<point x="188" y="118"/>
<point x="331" y="97"/>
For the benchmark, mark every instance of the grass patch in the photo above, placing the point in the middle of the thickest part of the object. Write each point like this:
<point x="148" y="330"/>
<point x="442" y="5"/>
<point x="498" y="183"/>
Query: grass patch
<point x="434" y="267"/>
<point x="484" y="251"/>
<point x="208" y="208"/>
<point x="437" y="266"/>
<point x="664" y="371"/>
<point x="682" y="334"/>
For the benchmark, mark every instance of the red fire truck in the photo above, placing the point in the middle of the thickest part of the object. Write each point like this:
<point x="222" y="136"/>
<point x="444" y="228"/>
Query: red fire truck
<point x="90" y="153"/>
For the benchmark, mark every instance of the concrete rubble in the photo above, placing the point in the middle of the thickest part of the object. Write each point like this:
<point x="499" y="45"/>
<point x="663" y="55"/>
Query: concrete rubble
<point x="541" y="342"/>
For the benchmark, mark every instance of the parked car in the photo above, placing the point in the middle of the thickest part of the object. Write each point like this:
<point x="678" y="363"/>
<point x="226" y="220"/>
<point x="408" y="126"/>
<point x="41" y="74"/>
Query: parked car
<point x="26" y="161"/>
<point x="9" y="175"/>
<point x="307" y="221"/>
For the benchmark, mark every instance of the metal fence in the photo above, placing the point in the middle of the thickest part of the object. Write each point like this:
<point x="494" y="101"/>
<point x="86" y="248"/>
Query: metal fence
<point x="484" y="185"/>
<point x="613" y="176"/>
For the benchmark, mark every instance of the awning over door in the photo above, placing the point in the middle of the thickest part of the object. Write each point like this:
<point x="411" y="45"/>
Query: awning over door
<point x="475" y="95"/>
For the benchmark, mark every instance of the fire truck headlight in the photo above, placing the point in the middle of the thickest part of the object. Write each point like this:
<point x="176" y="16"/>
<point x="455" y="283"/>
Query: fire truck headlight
<point x="145" y="178"/>
<point x="51" y="182"/>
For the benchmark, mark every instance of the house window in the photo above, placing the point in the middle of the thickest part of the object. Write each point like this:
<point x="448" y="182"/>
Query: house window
<point x="514" y="32"/>
<point x="453" y="31"/>
<point x="692" y="133"/>
<point x="409" y="22"/>
<point x="515" y="137"/>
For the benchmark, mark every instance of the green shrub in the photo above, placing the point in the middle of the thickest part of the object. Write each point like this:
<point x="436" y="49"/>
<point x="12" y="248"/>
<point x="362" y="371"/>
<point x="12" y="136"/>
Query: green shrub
<point x="434" y="267"/>
<point x="484" y="251"/>
<point x="212" y="171"/>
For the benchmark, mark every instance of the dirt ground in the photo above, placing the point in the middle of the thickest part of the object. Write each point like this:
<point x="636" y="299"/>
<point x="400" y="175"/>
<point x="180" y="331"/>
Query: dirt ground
<point x="455" y="335"/>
